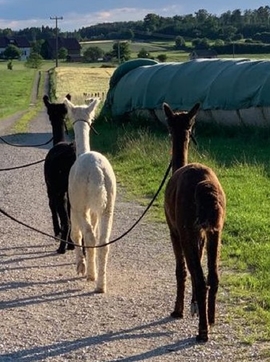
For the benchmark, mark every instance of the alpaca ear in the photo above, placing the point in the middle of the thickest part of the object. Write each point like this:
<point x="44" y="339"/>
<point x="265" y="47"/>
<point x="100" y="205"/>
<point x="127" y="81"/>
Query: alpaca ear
<point x="68" y="96"/>
<point x="194" y="110"/>
<point x="93" y="104"/>
<point x="68" y="103"/>
<point x="46" y="100"/>
<point x="167" y="110"/>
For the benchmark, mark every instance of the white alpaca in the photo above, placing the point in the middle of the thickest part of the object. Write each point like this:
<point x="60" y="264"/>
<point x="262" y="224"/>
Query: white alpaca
<point x="92" y="191"/>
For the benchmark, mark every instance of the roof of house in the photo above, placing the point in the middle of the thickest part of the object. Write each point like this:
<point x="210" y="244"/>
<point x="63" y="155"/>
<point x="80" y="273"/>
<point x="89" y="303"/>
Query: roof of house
<point x="18" y="41"/>
<point x="68" y="43"/>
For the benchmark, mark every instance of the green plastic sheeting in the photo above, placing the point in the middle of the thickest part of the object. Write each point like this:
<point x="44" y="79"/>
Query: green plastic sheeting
<point x="226" y="84"/>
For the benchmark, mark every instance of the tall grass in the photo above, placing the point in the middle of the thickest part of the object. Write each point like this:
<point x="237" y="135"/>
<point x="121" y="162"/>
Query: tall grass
<point x="240" y="157"/>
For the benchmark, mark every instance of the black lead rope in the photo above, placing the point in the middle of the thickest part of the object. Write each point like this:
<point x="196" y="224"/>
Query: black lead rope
<point x="102" y="245"/>
<point x="17" y="145"/>
<point x="22" y="166"/>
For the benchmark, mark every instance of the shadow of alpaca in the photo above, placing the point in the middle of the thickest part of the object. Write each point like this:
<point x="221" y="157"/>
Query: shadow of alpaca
<point x="142" y="331"/>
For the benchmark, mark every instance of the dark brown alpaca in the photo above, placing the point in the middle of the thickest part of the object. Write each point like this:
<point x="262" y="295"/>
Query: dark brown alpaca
<point x="195" y="206"/>
<point x="57" y="165"/>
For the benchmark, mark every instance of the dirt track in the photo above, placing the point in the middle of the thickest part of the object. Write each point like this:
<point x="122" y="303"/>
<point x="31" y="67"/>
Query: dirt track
<point x="48" y="313"/>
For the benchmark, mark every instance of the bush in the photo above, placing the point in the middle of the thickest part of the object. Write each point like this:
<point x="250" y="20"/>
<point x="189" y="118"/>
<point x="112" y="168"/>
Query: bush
<point x="34" y="61"/>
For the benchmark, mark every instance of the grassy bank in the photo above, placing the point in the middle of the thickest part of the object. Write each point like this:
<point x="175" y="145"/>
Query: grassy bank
<point x="16" y="86"/>
<point x="140" y="156"/>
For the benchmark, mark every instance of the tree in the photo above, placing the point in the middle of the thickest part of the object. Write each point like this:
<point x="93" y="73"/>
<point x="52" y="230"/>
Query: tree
<point x="162" y="58"/>
<point x="151" y="22"/>
<point x="62" y="53"/>
<point x="10" y="65"/>
<point x="11" y="52"/>
<point x="121" y="51"/>
<point x="219" y="42"/>
<point x="92" y="54"/>
<point x="37" y="46"/>
<point x="201" y="43"/>
<point x="201" y="15"/>
<point x="179" y="42"/>
<point x="143" y="53"/>
<point x="126" y="34"/>
<point x="34" y="60"/>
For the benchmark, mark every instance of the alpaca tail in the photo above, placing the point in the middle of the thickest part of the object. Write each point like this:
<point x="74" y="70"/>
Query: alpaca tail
<point x="209" y="206"/>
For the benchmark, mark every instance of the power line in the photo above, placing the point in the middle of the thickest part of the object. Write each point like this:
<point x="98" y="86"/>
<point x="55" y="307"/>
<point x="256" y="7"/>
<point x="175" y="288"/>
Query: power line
<point x="56" y="18"/>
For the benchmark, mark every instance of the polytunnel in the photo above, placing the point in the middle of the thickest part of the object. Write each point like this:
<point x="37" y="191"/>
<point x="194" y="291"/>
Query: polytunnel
<point x="230" y="91"/>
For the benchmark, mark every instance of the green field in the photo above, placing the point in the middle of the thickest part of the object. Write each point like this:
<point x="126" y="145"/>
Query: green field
<point x="16" y="86"/>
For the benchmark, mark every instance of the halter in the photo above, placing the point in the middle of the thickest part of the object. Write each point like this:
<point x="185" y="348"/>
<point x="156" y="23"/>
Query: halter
<point x="82" y="120"/>
<point x="89" y="124"/>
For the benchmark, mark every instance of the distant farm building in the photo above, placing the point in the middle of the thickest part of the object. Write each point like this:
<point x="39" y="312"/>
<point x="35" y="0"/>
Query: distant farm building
<point x="72" y="46"/>
<point x="19" y="41"/>
<point x="203" y="54"/>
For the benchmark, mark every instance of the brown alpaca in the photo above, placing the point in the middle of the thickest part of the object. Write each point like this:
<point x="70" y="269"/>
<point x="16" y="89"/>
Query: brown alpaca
<point x="195" y="206"/>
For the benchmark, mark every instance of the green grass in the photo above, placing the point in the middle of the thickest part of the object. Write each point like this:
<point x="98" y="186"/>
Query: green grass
<point x="16" y="97"/>
<point x="135" y="47"/>
<point x="16" y="86"/>
<point x="240" y="157"/>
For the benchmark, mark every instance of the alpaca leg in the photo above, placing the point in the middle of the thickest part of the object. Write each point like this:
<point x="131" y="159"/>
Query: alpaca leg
<point x="194" y="305"/>
<point x="181" y="275"/>
<point x="103" y="253"/>
<point x="213" y="250"/>
<point x="76" y="236"/>
<point x="200" y="288"/>
<point x="70" y="245"/>
<point x="53" y="208"/>
<point x="89" y="242"/>
<point x="64" y="220"/>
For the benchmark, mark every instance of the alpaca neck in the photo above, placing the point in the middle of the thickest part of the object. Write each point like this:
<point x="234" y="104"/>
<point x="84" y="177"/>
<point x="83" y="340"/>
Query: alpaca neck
<point x="58" y="133"/>
<point x="82" y="140"/>
<point x="179" y="153"/>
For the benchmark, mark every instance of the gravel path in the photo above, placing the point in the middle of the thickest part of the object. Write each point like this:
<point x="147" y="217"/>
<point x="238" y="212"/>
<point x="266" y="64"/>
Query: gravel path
<point x="48" y="313"/>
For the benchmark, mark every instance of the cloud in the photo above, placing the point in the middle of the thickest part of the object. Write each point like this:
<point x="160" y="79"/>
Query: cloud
<point x="74" y="21"/>
<point x="20" y="24"/>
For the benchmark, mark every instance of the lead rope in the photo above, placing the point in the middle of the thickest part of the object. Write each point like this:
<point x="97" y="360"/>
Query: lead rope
<point x="102" y="245"/>
<point x="22" y="166"/>
<point x="17" y="145"/>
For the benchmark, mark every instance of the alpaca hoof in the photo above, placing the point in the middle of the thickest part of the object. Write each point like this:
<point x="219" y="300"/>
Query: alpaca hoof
<point x="202" y="338"/>
<point x="100" y="290"/>
<point x="81" y="268"/>
<point x="61" y="250"/>
<point x="70" y="246"/>
<point x="177" y="315"/>
<point x="91" y="279"/>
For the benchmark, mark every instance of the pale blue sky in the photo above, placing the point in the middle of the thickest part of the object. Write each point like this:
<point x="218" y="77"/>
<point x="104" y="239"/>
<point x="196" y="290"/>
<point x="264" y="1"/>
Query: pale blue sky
<point x="20" y="14"/>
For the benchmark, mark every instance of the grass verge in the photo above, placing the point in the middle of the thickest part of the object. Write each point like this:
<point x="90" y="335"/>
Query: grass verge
<point x="240" y="157"/>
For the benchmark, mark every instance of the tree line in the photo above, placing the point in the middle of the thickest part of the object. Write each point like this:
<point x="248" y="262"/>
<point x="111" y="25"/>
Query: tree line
<point x="248" y="31"/>
<point x="230" y="25"/>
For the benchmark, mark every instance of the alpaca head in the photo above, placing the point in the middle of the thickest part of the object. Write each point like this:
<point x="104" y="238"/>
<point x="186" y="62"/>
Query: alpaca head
<point x="180" y="124"/>
<point x="55" y="111"/>
<point x="83" y="112"/>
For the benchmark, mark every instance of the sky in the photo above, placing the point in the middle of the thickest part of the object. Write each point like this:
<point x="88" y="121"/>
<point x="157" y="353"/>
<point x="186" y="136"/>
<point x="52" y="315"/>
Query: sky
<point x="21" y="14"/>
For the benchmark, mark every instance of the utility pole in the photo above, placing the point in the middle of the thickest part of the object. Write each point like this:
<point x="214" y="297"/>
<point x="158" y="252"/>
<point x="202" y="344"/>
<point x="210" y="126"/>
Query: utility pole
<point x="56" y="18"/>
